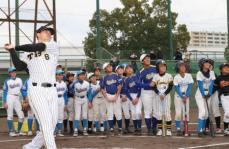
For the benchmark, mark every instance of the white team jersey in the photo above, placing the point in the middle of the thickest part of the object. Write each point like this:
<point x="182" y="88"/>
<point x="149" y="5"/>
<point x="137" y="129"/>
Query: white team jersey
<point x="206" y="81"/>
<point x="96" y="87"/>
<point x="162" y="82"/>
<point x="13" y="86"/>
<point x="183" y="81"/>
<point x="42" y="65"/>
<point x="78" y="86"/>
<point x="61" y="88"/>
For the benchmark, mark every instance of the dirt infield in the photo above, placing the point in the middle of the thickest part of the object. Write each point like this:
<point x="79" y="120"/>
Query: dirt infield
<point x="125" y="141"/>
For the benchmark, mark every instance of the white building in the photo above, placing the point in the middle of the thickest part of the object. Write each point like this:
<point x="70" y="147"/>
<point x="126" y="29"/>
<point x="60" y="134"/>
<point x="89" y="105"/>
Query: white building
<point x="207" y="44"/>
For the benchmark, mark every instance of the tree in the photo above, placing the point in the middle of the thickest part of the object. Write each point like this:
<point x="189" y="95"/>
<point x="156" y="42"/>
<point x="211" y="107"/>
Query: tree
<point x="137" y="25"/>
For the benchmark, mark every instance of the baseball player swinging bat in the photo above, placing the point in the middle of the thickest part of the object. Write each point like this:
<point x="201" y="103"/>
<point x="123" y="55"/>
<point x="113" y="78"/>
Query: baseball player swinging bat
<point x="212" y="130"/>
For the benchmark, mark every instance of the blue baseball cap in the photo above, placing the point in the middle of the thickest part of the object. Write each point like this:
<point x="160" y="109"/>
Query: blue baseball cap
<point x="59" y="71"/>
<point x="11" y="69"/>
<point x="80" y="72"/>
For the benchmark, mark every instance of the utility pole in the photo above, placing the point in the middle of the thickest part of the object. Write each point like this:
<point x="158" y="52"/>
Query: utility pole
<point x="17" y="41"/>
<point x="98" y="32"/>
<point x="227" y="23"/>
<point x="170" y="34"/>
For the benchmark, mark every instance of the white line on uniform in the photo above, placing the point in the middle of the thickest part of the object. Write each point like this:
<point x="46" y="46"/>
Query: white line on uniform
<point x="204" y="146"/>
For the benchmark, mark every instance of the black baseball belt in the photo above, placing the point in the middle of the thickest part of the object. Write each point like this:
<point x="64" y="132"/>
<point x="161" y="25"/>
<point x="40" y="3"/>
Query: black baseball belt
<point x="44" y="84"/>
<point x="59" y="96"/>
<point x="80" y="96"/>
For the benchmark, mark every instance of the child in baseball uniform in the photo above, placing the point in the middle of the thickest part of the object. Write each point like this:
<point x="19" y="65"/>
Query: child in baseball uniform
<point x="97" y="71"/>
<point x="183" y="85"/>
<point x="62" y="100"/>
<point x="124" y="99"/>
<point x="81" y="88"/>
<point x="70" y="106"/>
<point x="111" y="87"/>
<point x="133" y="93"/>
<point x="222" y="83"/>
<point x="214" y="105"/>
<point x="11" y="101"/>
<point x="30" y="113"/>
<point x="205" y="80"/>
<point x="163" y="84"/>
<point x="96" y="102"/>
<point x="147" y="94"/>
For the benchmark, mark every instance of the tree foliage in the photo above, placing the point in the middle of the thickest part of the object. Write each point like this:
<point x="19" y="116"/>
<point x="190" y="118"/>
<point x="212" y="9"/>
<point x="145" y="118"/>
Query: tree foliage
<point x="134" y="26"/>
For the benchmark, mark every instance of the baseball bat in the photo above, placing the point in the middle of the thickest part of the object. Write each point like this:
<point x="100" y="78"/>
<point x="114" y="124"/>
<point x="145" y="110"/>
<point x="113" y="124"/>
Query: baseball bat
<point x="163" y="118"/>
<point x="185" y="121"/>
<point x="212" y="130"/>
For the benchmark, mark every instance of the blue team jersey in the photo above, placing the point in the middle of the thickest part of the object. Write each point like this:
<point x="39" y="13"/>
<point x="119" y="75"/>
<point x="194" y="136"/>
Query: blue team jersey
<point x="110" y="83"/>
<point x="122" y="79"/>
<point x="146" y="76"/>
<point x="131" y="86"/>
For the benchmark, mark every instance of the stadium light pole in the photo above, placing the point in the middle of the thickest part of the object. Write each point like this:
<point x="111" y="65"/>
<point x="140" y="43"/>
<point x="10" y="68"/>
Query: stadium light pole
<point x="98" y="32"/>
<point x="170" y="34"/>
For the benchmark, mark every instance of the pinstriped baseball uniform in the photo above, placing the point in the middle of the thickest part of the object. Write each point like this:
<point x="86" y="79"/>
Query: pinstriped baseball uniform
<point x="162" y="84"/>
<point x="43" y="100"/>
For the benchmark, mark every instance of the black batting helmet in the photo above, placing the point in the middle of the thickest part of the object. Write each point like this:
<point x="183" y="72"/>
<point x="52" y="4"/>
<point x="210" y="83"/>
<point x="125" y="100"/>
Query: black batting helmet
<point x="178" y="64"/>
<point x="204" y="60"/>
<point x="223" y="65"/>
<point x="159" y="62"/>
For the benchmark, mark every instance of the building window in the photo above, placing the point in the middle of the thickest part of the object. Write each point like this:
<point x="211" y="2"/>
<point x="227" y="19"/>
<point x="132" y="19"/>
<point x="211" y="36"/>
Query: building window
<point x="222" y="42"/>
<point x="216" y="38"/>
<point x="210" y="41"/>
<point x="210" y="38"/>
<point x="217" y="42"/>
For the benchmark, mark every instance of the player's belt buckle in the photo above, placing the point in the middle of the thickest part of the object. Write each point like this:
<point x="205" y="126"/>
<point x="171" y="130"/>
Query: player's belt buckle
<point x="183" y="93"/>
<point x="15" y="94"/>
<point x="59" y="96"/>
<point x="99" y="97"/>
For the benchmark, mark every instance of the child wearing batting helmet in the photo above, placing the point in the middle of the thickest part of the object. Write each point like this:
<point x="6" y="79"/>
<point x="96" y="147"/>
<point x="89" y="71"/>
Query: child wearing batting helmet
<point x="183" y="84"/>
<point x="205" y="80"/>
<point x="214" y="105"/>
<point x="163" y="84"/>
<point x="222" y="83"/>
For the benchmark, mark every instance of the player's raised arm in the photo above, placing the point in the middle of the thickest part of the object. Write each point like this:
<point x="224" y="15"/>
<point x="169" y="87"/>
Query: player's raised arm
<point x="38" y="47"/>
<point x="20" y="65"/>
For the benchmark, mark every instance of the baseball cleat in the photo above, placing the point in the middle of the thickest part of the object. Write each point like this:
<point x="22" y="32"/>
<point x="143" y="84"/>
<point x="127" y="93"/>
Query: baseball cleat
<point x="226" y="132"/>
<point x="179" y="132"/>
<point x="168" y="132"/>
<point x="75" y="134"/>
<point x="200" y="134"/>
<point x="111" y="131"/>
<point x="12" y="134"/>
<point x="159" y="132"/>
<point x="22" y="134"/>
<point x="120" y="132"/>
<point x="59" y="134"/>
<point x="102" y="129"/>
<point x="85" y="133"/>
<point x="218" y="130"/>
<point x="30" y="133"/>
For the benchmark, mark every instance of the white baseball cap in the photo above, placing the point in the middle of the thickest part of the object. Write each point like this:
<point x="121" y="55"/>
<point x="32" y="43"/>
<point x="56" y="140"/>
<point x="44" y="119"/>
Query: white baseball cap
<point x="143" y="56"/>
<point x="105" y="65"/>
<point x="91" y="74"/>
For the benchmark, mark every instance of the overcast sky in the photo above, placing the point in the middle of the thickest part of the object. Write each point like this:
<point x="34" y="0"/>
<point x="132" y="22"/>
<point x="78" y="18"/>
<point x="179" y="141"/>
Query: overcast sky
<point x="73" y="16"/>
